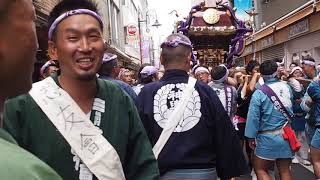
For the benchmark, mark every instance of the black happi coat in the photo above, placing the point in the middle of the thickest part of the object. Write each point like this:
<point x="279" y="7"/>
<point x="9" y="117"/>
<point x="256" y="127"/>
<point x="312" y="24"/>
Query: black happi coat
<point x="205" y="138"/>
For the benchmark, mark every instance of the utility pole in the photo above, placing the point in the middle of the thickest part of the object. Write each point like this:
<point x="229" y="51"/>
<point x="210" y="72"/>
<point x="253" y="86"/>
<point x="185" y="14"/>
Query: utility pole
<point x="140" y="39"/>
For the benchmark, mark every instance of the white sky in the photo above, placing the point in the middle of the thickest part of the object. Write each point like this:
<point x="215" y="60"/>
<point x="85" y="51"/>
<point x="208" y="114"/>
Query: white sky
<point x="163" y="8"/>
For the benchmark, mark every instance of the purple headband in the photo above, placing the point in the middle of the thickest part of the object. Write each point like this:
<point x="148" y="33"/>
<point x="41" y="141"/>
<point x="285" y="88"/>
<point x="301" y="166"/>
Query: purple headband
<point x="175" y="43"/>
<point x="201" y="69"/>
<point x="308" y="62"/>
<point x="46" y="65"/>
<point x="71" y="13"/>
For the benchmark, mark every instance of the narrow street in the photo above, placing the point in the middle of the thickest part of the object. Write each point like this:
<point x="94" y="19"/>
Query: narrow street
<point x="299" y="172"/>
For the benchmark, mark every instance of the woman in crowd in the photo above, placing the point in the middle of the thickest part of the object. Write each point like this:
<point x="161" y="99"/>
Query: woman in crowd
<point x="298" y="124"/>
<point x="245" y="90"/>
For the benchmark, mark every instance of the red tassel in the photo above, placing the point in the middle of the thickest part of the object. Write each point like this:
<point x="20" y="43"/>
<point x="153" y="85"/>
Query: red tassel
<point x="290" y="136"/>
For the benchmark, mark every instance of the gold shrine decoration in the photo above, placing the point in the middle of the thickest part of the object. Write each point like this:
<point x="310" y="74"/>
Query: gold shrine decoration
<point x="211" y="16"/>
<point x="211" y="57"/>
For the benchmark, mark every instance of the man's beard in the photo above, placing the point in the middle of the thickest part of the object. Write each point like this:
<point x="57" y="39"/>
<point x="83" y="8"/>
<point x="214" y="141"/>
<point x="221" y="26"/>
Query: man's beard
<point x="87" y="77"/>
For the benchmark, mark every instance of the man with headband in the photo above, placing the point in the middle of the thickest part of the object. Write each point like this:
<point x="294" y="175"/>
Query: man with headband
<point x="265" y="124"/>
<point x="108" y="71"/>
<point x="227" y="94"/>
<point x="191" y="132"/>
<point x="48" y="69"/>
<point x="309" y="67"/>
<point x="314" y="92"/>
<point x="18" y="47"/>
<point x="85" y="128"/>
<point x="202" y="74"/>
<point x="147" y="75"/>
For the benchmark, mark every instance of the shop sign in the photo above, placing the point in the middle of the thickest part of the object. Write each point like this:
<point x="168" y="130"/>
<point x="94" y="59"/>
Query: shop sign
<point x="132" y="30"/>
<point x="132" y="35"/>
<point x="267" y="42"/>
<point x="299" y="28"/>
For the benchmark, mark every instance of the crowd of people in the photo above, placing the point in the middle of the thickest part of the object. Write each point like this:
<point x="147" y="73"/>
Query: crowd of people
<point x="90" y="119"/>
<point x="266" y="101"/>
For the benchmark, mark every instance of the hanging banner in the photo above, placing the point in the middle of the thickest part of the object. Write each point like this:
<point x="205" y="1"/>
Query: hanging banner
<point x="145" y="50"/>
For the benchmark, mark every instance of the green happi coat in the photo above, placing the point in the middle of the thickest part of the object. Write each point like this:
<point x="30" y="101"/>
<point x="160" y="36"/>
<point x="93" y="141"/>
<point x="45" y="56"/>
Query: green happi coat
<point x="120" y="124"/>
<point x="16" y="163"/>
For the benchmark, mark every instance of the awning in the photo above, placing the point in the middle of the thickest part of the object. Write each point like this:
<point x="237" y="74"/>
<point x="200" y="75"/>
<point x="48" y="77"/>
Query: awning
<point x="287" y="20"/>
<point x="119" y="53"/>
<point x="125" y="58"/>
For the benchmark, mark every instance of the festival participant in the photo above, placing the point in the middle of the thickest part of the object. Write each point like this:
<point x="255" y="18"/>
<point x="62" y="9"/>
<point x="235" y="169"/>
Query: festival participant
<point x="109" y="69"/>
<point x="307" y="104"/>
<point x="314" y="92"/>
<point x="159" y="74"/>
<point x="125" y="75"/>
<point x="202" y="74"/>
<point x="48" y="69"/>
<point x="18" y="46"/>
<point x="245" y="92"/>
<point x="85" y="128"/>
<point x="309" y="67"/>
<point x="191" y="132"/>
<point x="292" y="65"/>
<point x="266" y="124"/>
<point x="298" y="123"/>
<point x="147" y="75"/>
<point x="227" y="94"/>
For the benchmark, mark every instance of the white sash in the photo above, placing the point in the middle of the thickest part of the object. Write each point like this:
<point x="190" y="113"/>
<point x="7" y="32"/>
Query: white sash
<point x="85" y="138"/>
<point x="174" y="117"/>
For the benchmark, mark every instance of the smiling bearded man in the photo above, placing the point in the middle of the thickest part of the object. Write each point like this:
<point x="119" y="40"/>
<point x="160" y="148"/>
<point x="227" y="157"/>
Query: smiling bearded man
<point x="85" y="128"/>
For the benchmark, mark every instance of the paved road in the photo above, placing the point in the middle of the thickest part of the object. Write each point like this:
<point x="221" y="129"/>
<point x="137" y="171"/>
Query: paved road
<point x="299" y="172"/>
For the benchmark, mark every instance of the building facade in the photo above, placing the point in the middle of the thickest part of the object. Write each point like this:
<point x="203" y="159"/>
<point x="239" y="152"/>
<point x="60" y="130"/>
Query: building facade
<point x="290" y="37"/>
<point x="271" y="10"/>
<point x="114" y="15"/>
<point x="133" y="33"/>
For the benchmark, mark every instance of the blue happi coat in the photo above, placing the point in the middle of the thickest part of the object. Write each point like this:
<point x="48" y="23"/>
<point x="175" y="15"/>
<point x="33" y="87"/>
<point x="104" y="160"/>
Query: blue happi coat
<point x="263" y="116"/>
<point x="314" y="92"/>
<point x="204" y="138"/>
<point x="124" y="86"/>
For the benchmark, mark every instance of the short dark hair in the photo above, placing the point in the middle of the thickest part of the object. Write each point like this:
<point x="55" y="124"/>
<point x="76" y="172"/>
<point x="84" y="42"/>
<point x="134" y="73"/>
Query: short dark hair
<point x="106" y="67"/>
<point x="294" y="63"/>
<point x="147" y="79"/>
<point x="308" y="58"/>
<point x="250" y="66"/>
<point x="176" y="54"/>
<point x="218" y="72"/>
<point x="268" y="67"/>
<point x="278" y="60"/>
<point x="140" y="69"/>
<point x="68" y="5"/>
